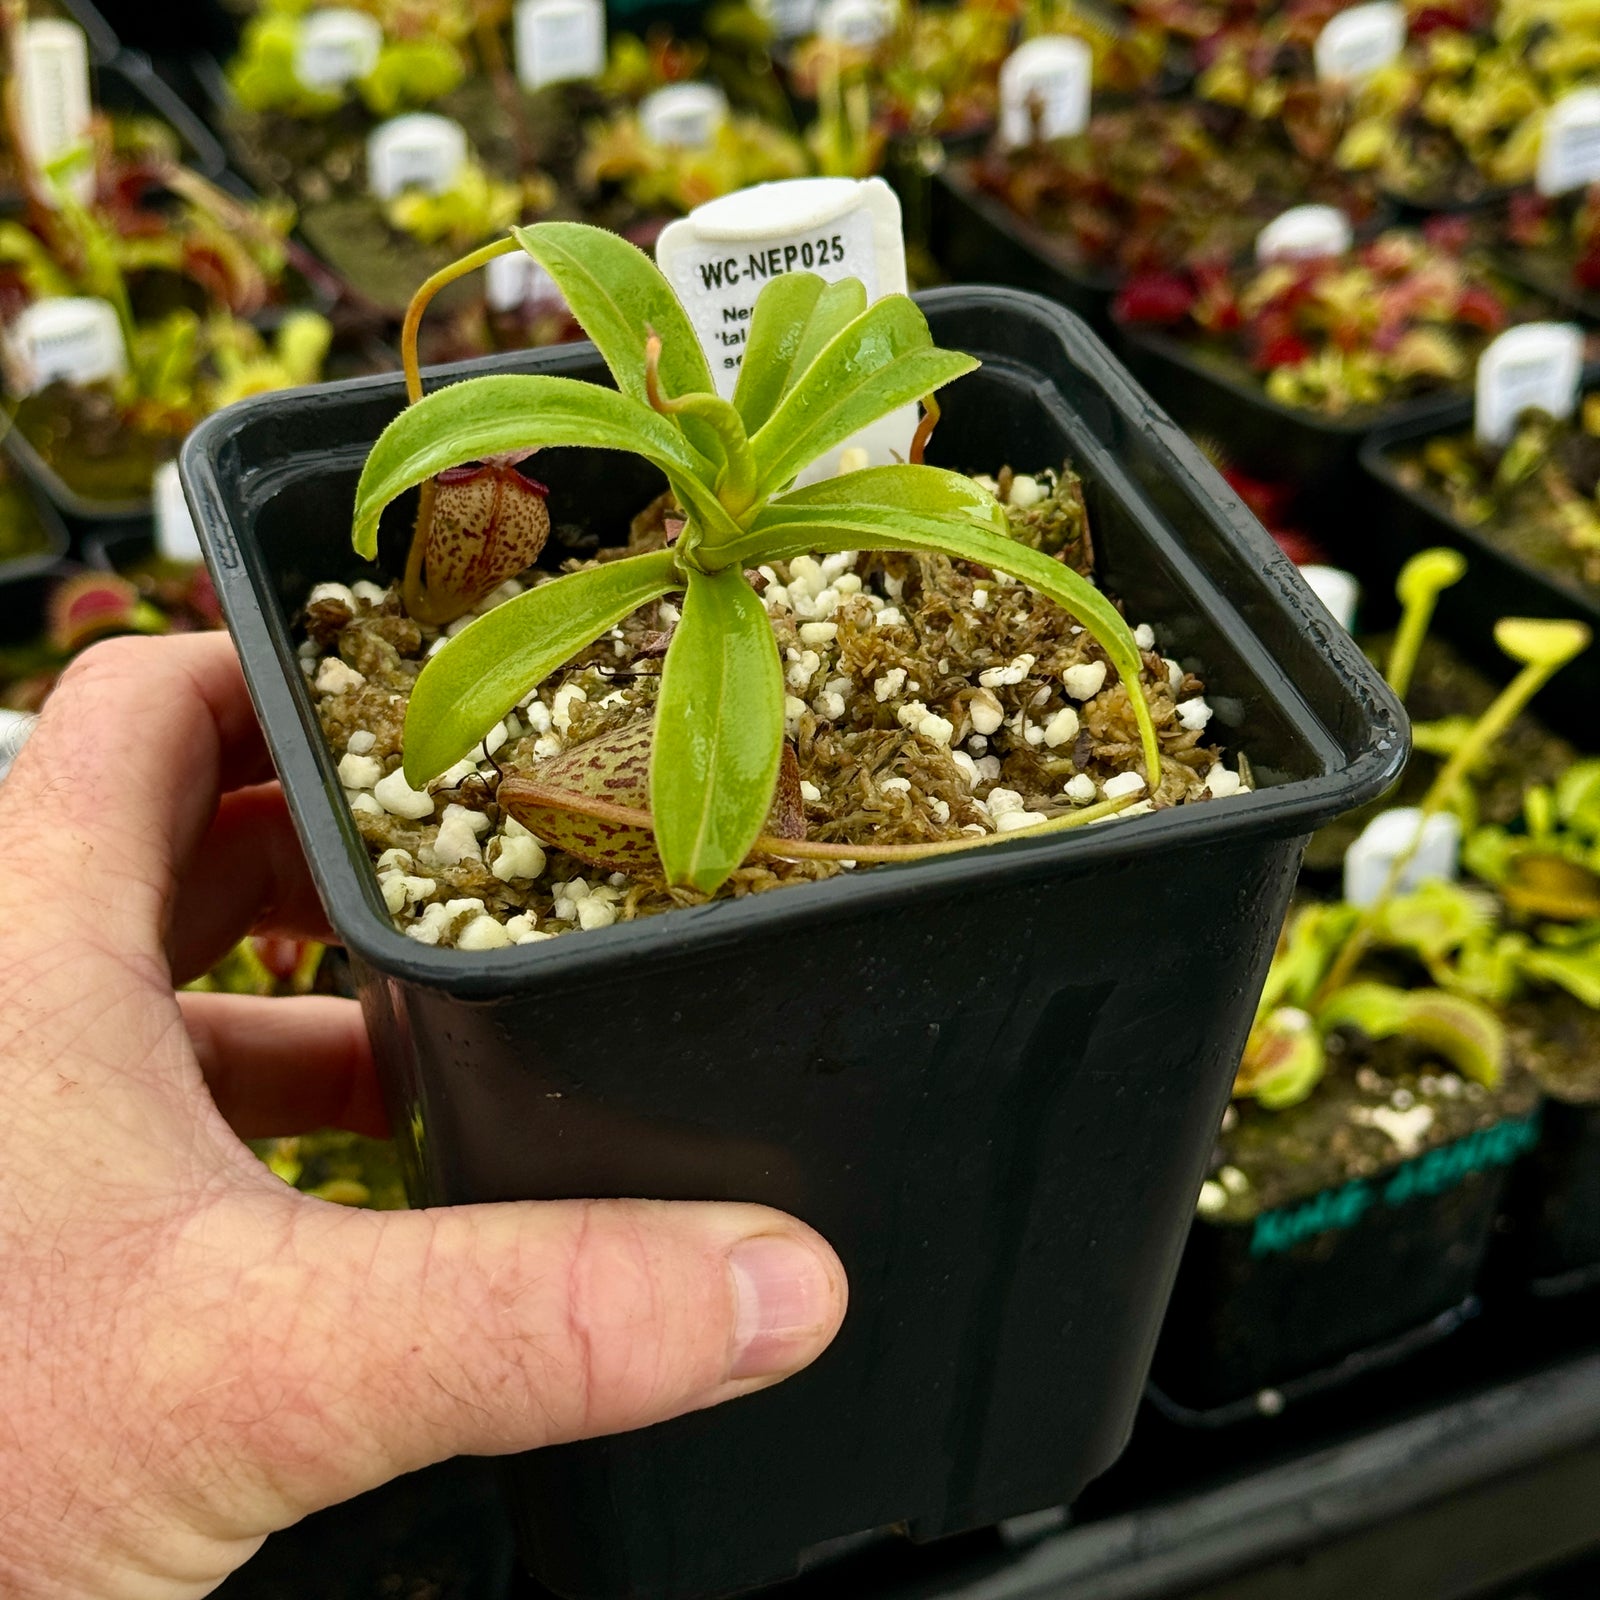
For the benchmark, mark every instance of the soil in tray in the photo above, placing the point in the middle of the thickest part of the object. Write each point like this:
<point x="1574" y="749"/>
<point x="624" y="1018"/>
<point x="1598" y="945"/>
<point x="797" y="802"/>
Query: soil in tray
<point x="1444" y="684"/>
<point x="1554" y="244"/>
<point x="1537" y="498"/>
<point x="1559" y="1039"/>
<point x="1160" y="185"/>
<point x="927" y="700"/>
<point x="86" y="437"/>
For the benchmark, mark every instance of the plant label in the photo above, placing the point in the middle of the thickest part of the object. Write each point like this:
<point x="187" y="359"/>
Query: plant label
<point x="517" y="280"/>
<point x="55" y="103"/>
<point x="1305" y="233"/>
<point x="683" y="116"/>
<point x="1537" y="366"/>
<point x="1044" y="89"/>
<point x="73" y="340"/>
<point x="336" y="47"/>
<point x="1357" y="43"/>
<point x="722" y="254"/>
<point x="860" y="24"/>
<point x="1337" y="590"/>
<point x="1389" y="836"/>
<point x="559" y="40"/>
<point x="788" y="19"/>
<point x="176" y="536"/>
<point x="419" y="151"/>
<point x="1569" y="147"/>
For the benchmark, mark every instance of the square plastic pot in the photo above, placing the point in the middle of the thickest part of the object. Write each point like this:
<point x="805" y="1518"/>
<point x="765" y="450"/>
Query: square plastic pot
<point x="1277" y="442"/>
<point x="1499" y="583"/>
<point x="1326" y="1289"/>
<point x="991" y="1081"/>
<point x="1554" y="1244"/>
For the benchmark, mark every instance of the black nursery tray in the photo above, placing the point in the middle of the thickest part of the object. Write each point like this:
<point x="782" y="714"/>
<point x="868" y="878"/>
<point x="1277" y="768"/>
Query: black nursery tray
<point x="1499" y="583"/>
<point x="1077" y="1151"/>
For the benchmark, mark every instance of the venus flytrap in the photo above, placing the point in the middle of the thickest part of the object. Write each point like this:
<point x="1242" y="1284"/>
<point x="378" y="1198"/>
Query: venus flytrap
<point x="820" y="365"/>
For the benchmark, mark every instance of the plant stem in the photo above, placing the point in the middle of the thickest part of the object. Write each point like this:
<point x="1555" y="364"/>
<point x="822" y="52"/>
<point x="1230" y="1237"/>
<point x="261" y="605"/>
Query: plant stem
<point x="420" y="301"/>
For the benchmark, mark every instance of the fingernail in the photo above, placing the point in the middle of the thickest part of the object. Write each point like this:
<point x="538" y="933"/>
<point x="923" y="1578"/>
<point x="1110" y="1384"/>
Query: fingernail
<point x="786" y="1305"/>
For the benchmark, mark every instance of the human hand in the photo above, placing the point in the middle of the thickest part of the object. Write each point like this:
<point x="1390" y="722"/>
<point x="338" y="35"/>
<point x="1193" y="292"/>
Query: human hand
<point x="192" y="1354"/>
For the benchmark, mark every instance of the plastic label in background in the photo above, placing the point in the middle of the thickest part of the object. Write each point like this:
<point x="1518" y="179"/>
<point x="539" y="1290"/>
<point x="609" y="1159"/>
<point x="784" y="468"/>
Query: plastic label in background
<point x="1539" y="365"/>
<point x="335" y="47"/>
<point x="15" y="726"/>
<point x="1356" y="43"/>
<point x="76" y="340"/>
<point x="176" y="536"/>
<point x="418" y="151"/>
<point x="1389" y="836"/>
<point x="1569" y="145"/>
<point x="56" y="106"/>
<point x="1305" y="233"/>
<point x="1045" y="86"/>
<point x="1337" y="590"/>
<point x="721" y="256"/>
<point x="788" y="19"/>
<point x="683" y="116"/>
<point x="559" y="40"/>
<point x="861" y="24"/>
<point x="517" y="280"/>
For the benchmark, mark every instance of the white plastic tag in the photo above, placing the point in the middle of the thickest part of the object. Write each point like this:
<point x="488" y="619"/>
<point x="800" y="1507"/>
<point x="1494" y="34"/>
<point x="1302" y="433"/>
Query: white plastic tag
<point x="335" y="47"/>
<point x="1538" y="365"/>
<point x="517" y="280"/>
<point x="176" y="536"/>
<point x="419" y="151"/>
<point x="1354" y="44"/>
<point x="15" y="726"/>
<point x="723" y="254"/>
<point x="788" y="19"/>
<point x="1569" y="147"/>
<point x="860" y="24"/>
<point x="56" y="107"/>
<point x="683" y="116"/>
<point x="1369" y="861"/>
<point x="75" y="340"/>
<point x="559" y="40"/>
<point x="1045" y="86"/>
<point x="1305" y="233"/>
<point x="1337" y="590"/>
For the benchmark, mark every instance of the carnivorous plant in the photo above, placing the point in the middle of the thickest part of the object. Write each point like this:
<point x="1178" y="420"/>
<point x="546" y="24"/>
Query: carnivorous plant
<point x="819" y="365"/>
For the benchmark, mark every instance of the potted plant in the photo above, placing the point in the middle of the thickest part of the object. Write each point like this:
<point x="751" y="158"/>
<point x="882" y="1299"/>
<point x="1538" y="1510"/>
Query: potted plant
<point x="1383" y="1094"/>
<point x="1150" y="188"/>
<point x="1553" y="245"/>
<point x="1524" y="513"/>
<point x="1304" y="358"/>
<point x="788" y="1102"/>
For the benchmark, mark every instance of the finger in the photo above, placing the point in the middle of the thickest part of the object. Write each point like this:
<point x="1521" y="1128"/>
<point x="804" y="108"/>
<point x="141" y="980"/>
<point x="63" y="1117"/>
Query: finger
<point x="286" y="1066"/>
<point x="497" y="1328"/>
<point x="247" y="875"/>
<point x="119" y="780"/>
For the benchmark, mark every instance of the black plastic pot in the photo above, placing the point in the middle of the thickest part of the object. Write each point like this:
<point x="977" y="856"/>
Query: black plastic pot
<point x="977" y="237"/>
<point x="1327" y="1288"/>
<point x="1499" y="583"/>
<point x="991" y="1083"/>
<point x="1555" y="1205"/>
<point x="1226" y="403"/>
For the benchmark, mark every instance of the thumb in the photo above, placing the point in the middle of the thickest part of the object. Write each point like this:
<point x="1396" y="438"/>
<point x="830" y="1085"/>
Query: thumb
<point x="481" y="1330"/>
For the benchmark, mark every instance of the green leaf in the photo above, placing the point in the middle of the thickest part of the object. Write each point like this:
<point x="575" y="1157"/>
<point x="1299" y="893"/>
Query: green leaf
<point x="794" y="317"/>
<point x="719" y="731"/>
<point x="930" y="491"/>
<point x="791" y="527"/>
<point x="481" y="673"/>
<point x="1576" y="971"/>
<point x="1283" y="1060"/>
<point x="1463" y="1032"/>
<point x="488" y="416"/>
<point x="882" y="360"/>
<point x="619" y="296"/>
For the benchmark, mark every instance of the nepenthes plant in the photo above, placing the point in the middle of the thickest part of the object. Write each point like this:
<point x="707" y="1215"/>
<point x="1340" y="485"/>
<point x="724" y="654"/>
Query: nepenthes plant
<point x="820" y="365"/>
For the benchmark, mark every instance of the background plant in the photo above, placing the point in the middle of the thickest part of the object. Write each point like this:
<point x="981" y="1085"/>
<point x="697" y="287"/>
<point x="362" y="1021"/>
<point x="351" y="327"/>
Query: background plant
<point x="819" y="365"/>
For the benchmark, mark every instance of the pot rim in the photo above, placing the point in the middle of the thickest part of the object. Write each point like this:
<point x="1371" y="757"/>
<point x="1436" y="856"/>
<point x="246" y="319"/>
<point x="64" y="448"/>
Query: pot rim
<point x="339" y="861"/>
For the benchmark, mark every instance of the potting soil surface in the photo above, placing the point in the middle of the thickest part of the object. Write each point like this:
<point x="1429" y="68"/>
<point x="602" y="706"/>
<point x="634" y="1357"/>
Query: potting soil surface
<point x="926" y="700"/>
